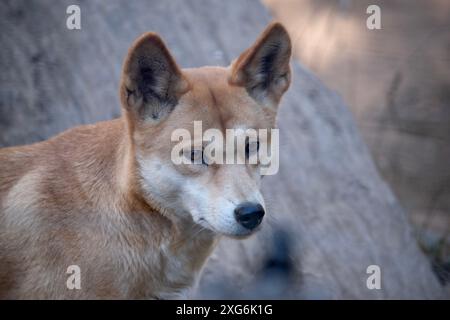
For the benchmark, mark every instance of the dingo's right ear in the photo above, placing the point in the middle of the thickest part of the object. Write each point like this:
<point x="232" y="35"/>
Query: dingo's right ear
<point x="151" y="82"/>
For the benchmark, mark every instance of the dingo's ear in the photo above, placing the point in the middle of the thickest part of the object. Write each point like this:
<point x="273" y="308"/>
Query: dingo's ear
<point x="151" y="82"/>
<point x="264" y="69"/>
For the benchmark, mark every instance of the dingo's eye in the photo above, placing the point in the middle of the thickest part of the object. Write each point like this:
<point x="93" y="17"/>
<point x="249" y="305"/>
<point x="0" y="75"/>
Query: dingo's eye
<point x="196" y="157"/>
<point x="251" y="147"/>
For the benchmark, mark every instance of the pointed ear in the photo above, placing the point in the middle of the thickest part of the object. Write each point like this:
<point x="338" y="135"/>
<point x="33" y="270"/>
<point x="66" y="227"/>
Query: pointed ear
<point x="264" y="69"/>
<point x="151" y="82"/>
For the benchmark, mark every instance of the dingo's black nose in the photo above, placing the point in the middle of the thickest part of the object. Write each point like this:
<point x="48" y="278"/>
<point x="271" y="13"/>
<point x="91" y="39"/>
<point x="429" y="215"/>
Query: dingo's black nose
<point x="249" y="215"/>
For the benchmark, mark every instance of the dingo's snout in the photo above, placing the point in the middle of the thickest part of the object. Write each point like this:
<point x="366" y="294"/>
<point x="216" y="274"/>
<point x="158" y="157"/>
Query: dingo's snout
<point x="249" y="215"/>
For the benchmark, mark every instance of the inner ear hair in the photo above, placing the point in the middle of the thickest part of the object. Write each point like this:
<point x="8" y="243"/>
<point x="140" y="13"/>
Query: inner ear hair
<point x="152" y="82"/>
<point x="264" y="68"/>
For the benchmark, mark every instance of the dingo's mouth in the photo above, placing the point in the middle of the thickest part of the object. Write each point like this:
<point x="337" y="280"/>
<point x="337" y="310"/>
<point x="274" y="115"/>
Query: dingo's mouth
<point x="239" y="233"/>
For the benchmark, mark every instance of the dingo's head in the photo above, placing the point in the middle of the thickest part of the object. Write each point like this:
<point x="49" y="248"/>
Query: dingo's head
<point x="159" y="98"/>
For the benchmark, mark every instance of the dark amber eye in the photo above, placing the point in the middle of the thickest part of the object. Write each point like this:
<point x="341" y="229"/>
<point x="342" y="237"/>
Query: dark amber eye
<point x="197" y="156"/>
<point x="251" y="147"/>
<point x="194" y="155"/>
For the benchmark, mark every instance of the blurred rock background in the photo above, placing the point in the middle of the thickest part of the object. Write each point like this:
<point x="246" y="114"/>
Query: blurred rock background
<point x="397" y="83"/>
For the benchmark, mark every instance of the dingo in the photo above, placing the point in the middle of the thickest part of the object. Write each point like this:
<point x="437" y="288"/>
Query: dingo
<point x="108" y="199"/>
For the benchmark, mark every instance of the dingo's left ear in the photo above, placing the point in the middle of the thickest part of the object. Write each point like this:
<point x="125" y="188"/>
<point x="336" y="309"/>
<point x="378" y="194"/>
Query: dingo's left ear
<point x="151" y="82"/>
<point x="264" y="69"/>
